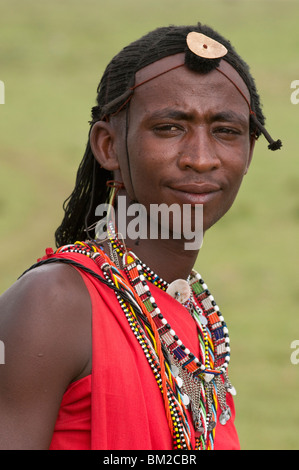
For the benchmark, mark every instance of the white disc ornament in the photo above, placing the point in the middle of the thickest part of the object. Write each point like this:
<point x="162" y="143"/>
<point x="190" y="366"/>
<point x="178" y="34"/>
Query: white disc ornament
<point x="179" y="290"/>
<point x="205" y="47"/>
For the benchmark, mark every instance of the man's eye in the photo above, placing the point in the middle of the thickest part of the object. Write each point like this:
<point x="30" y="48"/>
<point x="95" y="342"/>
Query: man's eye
<point x="167" y="129"/>
<point x="227" y="130"/>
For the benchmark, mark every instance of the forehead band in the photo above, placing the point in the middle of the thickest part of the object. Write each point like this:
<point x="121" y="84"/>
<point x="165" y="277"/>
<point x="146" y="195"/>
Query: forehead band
<point x="203" y="54"/>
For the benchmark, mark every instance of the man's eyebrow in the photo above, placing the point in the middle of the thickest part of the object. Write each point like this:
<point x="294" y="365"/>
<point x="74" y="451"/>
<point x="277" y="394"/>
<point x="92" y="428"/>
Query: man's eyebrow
<point x="171" y="113"/>
<point x="230" y="116"/>
<point x="178" y="114"/>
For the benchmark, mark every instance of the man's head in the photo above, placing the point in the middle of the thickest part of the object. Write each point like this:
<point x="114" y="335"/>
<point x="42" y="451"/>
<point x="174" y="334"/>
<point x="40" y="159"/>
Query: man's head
<point x="137" y="67"/>
<point x="115" y="86"/>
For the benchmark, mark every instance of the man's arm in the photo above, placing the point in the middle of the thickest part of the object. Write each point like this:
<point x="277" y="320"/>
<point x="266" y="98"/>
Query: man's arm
<point x="45" y="326"/>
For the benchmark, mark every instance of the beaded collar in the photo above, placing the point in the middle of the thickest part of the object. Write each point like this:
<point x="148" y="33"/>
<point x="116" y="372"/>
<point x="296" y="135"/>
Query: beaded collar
<point x="186" y="381"/>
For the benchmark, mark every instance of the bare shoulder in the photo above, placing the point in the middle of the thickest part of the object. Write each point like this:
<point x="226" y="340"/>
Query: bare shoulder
<point x="49" y="307"/>
<point x="45" y="326"/>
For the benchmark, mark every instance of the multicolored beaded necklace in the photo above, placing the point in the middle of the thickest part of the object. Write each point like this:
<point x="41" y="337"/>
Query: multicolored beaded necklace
<point x="186" y="382"/>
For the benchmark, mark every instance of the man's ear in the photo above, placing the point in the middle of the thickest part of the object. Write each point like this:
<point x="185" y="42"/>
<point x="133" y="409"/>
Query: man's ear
<point x="102" y="142"/>
<point x="251" y="150"/>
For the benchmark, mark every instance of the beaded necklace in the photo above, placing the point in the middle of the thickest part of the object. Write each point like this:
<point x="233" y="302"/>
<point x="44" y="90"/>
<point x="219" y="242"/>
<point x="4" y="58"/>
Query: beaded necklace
<point x="203" y="308"/>
<point x="185" y="381"/>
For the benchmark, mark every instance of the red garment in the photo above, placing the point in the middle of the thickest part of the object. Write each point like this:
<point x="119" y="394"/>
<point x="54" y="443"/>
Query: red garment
<point x="119" y="406"/>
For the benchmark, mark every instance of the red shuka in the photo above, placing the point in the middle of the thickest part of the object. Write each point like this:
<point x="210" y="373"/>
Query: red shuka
<point x="119" y="406"/>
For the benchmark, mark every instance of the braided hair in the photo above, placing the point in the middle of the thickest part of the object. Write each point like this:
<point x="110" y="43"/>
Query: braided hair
<point x="114" y="92"/>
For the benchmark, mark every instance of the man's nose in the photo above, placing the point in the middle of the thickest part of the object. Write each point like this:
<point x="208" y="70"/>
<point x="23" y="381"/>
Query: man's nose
<point x="199" y="152"/>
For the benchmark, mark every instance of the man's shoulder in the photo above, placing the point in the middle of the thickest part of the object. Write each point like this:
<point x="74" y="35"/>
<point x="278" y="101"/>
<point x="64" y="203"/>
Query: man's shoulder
<point x="46" y="313"/>
<point x="55" y="283"/>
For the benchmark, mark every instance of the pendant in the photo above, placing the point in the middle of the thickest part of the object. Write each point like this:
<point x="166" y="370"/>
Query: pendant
<point x="179" y="382"/>
<point x="231" y="389"/>
<point x="199" y="431"/>
<point x="208" y="377"/>
<point x="175" y="370"/>
<point x="202" y="318"/>
<point x="211" y="425"/>
<point x="179" y="290"/>
<point x="186" y="400"/>
<point x="225" y="416"/>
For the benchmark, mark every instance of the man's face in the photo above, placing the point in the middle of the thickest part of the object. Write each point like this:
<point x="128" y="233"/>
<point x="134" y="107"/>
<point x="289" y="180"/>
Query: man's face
<point x="188" y="141"/>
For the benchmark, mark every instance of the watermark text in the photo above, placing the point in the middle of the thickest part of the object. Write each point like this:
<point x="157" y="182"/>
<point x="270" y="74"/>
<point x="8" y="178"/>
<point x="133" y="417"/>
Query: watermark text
<point x="160" y="222"/>
<point x="2" y="92"/>
<point x="295" y="93"/>
<point x="2" y="353"/>
<point x="295" y="353"/>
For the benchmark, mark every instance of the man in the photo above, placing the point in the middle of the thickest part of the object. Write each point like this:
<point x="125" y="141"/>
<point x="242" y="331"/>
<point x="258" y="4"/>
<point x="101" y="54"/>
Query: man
<point x="118" y="343"/>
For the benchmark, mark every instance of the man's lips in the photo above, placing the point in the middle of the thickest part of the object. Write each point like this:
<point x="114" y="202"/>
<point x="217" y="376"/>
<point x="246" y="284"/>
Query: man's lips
<point x="195" y="193"/>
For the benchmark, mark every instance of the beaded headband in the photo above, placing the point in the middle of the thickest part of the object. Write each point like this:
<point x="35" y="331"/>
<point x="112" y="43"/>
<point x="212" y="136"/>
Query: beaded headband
<point x="203" y="55"/>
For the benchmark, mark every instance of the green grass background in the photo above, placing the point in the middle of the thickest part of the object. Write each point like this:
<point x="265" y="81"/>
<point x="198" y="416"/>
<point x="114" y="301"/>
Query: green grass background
<point x="52" y="55"/>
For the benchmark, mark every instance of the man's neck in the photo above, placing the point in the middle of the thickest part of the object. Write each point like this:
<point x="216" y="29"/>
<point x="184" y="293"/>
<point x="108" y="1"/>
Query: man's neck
<point x="167" y="258"/>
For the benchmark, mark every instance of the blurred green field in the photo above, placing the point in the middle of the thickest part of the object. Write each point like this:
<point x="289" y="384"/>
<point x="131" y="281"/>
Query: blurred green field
<point x="52" y="55"/>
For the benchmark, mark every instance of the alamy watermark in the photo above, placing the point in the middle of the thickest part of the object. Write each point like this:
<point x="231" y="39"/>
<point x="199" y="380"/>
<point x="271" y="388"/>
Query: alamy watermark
<point x="2" y="92"/>
<point x="2" y="353"/>
<point x="295" y="353"/>
<point x="161" y="221"/>
<point x="295" y="93"/>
